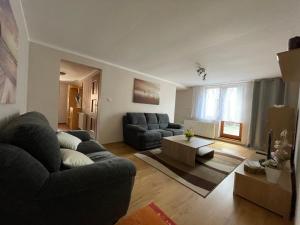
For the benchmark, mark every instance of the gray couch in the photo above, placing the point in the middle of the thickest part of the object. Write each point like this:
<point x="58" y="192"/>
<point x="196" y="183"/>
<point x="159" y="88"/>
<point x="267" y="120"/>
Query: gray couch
<point x="145" y="130"/>
<point x="36" y="190"/>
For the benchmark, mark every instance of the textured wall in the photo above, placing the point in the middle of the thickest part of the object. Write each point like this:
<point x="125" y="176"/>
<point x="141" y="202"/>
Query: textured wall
<point x="6" y="111"/>
<point x="116" y="91"/>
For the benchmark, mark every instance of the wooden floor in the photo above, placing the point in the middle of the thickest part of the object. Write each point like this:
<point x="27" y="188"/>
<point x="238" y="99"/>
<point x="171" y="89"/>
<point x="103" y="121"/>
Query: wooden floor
<point x="186" y="207"/>
<point x="62" y="127"/>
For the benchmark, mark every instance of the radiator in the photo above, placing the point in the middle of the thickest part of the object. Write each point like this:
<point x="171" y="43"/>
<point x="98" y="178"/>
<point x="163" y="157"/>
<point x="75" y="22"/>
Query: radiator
<point x="201" y="128"/>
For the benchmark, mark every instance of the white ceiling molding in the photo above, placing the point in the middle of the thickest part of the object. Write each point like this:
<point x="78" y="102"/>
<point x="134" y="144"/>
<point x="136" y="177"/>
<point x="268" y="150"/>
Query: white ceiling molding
<point x="94" y="72"/>
<point x="233" y="40"/>
<point x="75" y="71"/>
<point x="179" y="86"/>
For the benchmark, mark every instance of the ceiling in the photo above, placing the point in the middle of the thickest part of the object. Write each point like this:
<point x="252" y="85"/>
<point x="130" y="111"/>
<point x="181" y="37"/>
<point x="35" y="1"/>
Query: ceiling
<point x="74" y="71"/>
<point x="235" y="40"/>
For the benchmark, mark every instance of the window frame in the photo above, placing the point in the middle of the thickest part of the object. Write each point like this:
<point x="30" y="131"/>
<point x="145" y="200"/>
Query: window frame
<point x="234" y="137"/>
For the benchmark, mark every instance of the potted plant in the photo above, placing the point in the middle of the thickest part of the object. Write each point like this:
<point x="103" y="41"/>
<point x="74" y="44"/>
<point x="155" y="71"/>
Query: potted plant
<point x="189" y="134"/>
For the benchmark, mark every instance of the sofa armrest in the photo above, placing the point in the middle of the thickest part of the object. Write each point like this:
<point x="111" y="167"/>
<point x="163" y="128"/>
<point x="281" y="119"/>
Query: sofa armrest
<point x="93" y="194"/>
<point x="94" y="176"/>
<point x="135" y="128"/>
<point x="21" y="175"/>
<point x="83" y="135"/>
<point x="175" y="126"/>
<point x="21" y="178"/>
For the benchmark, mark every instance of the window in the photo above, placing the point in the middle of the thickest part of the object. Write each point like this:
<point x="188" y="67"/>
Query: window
<point x="227" y="105"/>
<point x="231" y="130"/>
<point x="221" y="104"/>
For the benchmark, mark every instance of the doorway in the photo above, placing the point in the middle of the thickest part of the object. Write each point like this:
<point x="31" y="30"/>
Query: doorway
<point x="79" y="93"/>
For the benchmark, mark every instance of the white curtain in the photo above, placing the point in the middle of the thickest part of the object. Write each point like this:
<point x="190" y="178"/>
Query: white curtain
<point x="197" y="106"/>
<point x="224" y="103"/>
<point x="231" y="103"/>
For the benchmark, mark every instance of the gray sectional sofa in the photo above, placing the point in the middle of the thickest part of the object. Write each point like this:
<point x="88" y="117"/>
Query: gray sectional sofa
<point x="145" y="130"/>
<point x="36" y="190"/>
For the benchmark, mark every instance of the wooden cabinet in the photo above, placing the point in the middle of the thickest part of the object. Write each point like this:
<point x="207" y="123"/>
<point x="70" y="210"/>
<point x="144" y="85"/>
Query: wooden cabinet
<point x="73" y="107"/>
<point x="74" y="118"/>
<point x="256" y="188"/>
<point x="280" y="118"/>
<point x="289" y="63"/>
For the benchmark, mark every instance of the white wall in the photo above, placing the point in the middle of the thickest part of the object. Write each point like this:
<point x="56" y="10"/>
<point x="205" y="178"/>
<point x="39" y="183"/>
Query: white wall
<point x="118" y="85"/>
<point x="62" y="102"/>
<point x="9" y="110"/>
<point x="183" y="106"/>
<point x="43" y="83"/>
<point x="116" y="91"/>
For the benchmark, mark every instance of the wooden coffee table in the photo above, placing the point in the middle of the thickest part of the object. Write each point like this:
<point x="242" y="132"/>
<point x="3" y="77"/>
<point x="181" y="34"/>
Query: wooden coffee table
<point x="180" y="149"/>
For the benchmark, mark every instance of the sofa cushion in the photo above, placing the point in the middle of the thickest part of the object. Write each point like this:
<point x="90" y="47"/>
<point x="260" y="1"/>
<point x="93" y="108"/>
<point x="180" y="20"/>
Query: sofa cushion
<point x="137" y="119"/>
<point x="68" y="141"/>
<point x="36" y="137"/>
<point x="34" y="117"/>
<point x="175" y="126"/>
<point x="163" y="120"/>
<point x="152" y="121"/>
<point x="100" y="156"/>
<point x="73" y="159"/>
<point x="150" y="136"/>
<point x="175" y="131"/>
<point x="91" y="146"/>
<point x="83" y="135"/>
<point x="30" y="117"/>
<point x="165" y="133"/>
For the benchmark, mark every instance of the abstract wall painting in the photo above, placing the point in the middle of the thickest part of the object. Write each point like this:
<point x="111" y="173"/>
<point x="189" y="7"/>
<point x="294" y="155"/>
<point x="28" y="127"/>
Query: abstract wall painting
<point x="8" y="53"/>
<point x="146" y="92"/>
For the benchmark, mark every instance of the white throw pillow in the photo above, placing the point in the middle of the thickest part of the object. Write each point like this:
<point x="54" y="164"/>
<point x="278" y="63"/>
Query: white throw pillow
<point x="68" y="141"/>
<point x="74" y="159"/>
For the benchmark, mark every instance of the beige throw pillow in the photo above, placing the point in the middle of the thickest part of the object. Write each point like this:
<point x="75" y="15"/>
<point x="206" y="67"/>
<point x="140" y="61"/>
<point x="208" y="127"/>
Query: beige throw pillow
<point x="68" y="141"/>
<point x="74" y="159"/>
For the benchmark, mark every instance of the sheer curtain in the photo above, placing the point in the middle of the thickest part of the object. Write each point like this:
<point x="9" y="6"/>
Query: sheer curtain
<point x="198" y="100"/>
<point x="231" y="104"/>
<point x="224" y="103"/>
<point x="205" y="103"/>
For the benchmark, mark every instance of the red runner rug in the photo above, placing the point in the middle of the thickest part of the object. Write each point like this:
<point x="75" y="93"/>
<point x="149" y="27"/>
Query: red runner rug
<point x="149" y="215"/>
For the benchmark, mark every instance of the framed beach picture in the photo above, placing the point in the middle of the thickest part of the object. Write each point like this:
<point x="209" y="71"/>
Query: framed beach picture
<point x="8" y="53"/>
<point x="146" y="92"/>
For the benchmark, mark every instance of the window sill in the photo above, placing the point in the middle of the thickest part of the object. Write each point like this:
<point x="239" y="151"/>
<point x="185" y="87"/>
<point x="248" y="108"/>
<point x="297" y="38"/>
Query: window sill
<point x="229" y="140"/>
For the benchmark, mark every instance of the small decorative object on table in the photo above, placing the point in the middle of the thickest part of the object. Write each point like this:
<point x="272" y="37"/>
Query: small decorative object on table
<point x="189" y="134"/>
<point x="282" y="153"/>
<point x="254" y="167"/>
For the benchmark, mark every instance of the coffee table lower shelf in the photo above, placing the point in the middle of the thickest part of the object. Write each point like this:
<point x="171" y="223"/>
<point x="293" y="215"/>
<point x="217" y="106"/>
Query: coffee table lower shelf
<point x="178" y="148"/>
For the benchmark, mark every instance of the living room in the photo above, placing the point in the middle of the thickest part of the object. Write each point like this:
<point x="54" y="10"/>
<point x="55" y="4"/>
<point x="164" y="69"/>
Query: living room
<point x="189" y="93"/>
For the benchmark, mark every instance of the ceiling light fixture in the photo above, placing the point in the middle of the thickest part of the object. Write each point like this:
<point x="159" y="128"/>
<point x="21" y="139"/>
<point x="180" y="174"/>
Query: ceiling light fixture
<point x="201" y="71"/>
